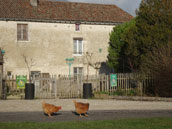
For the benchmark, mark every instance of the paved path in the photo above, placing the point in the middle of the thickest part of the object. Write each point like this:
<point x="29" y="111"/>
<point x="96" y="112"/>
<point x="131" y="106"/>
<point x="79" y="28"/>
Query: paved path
<point x="72" y="116"/>
<point x="68" y="105"/>
<point x="31" y="110"/>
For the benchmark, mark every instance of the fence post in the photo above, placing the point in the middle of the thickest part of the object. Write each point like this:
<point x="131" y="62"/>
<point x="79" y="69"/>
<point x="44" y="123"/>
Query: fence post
<point x="55" y="85"/>
<point x="141" y="88"/>
<point x="0" y="87"/>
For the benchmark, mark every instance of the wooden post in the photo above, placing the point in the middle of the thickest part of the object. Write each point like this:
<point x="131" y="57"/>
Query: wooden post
<point x="0" y="85"/>
<point x="1" y="72"/>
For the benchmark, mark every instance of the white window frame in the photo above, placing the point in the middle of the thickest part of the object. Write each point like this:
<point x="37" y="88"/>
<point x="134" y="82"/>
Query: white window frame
<point x="22" y="32"/>
<point x="77" y="73"/>
<point x="77" y="51"/>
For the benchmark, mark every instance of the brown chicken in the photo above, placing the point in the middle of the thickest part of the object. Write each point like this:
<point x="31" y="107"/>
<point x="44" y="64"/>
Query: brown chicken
<point x="50" y="109"/>
<point x="81" y="108"/>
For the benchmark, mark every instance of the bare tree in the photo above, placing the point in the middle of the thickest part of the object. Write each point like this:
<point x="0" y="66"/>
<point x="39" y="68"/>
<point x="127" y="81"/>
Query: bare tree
<point x="29" y="63"/>
<point x="88" y="57"/>
<point x="95" y="65"/>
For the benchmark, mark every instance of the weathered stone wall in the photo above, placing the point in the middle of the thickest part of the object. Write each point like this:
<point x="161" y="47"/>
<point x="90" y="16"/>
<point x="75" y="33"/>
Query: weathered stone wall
<point x="50" y="44"/>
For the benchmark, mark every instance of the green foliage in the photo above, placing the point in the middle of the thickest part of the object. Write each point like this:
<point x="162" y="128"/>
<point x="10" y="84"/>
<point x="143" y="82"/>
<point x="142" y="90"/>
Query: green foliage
<point x="159" y="64"/>
<point x="131" y="52"/>
<point x="116" y="44"/>
<point x="121" y="92"/>
<point x="134" y="123"/>
<point x="138" y="46"/>
<point x="154" y="28"/>
<point x="131" y="43"/>
<point x="132" y="92"/>
<point x="154" y="36"/>
<point x="101" y="92"/>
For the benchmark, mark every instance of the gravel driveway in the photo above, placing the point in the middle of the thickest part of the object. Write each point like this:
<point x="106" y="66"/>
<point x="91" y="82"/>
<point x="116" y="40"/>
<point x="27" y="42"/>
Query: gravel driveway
<point x="67" y="105"/>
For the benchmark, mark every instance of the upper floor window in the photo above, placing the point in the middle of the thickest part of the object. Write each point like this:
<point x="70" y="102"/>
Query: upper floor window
<point x="22" y="32"/>
<point x="78" y="46"/>
<point x="77" y="27"/>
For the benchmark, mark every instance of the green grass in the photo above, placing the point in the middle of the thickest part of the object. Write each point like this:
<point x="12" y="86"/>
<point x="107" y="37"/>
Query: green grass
<point x="141" y="123"/>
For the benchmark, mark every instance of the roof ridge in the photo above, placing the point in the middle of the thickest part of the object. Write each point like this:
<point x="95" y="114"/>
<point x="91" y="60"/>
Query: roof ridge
<point x="65" y="11"/>
<point x="80" y="3"/>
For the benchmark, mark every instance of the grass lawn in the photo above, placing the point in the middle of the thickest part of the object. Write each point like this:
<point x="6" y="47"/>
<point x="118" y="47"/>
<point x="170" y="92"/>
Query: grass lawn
<point x="140" y="123"/>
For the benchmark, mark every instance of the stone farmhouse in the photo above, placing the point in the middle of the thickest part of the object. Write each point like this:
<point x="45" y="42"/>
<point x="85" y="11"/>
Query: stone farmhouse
<point x="46" y="33"/>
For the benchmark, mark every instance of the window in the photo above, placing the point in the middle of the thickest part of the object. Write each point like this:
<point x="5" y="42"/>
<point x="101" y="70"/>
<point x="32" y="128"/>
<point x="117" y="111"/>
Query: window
<point x="9" y="73"/>
<point x="78" y="46"/>
<point x="22" y="32"/>
<point x="77" y="27"/>
<point x="45" y="75"/>
<point x="78" y="72"/>
<point x="35" y="74"/>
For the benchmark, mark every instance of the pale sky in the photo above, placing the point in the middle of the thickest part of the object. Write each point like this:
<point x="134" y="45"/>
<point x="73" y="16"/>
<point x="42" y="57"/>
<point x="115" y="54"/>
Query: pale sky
<point x="127" y="5"/>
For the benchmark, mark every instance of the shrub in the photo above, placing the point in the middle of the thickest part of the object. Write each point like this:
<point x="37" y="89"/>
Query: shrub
<point x="159" y="64"/>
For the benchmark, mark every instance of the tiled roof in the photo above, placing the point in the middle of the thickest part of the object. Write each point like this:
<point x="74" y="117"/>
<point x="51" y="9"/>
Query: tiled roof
<point x="62" y="11"/>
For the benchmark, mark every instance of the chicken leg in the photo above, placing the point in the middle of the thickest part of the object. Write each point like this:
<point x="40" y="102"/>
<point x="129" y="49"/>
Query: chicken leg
<point x="86" y="114"/>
